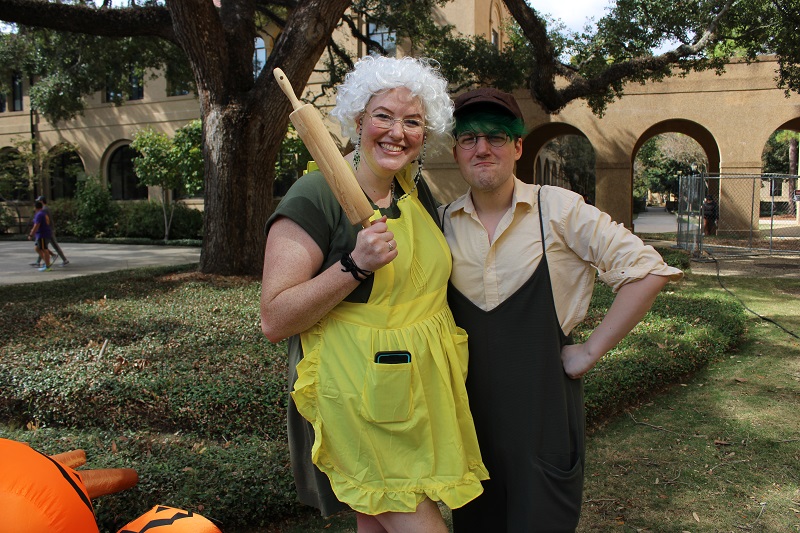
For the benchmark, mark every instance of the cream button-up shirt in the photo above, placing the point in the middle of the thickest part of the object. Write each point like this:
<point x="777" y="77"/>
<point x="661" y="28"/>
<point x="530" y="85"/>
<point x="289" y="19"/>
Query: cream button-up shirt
<point x="581" y="241"/>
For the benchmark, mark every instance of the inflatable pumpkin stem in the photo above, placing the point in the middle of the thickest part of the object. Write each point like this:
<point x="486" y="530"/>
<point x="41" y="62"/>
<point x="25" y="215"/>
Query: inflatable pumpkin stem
<point x="72" y="459"/>
<point x="102" y="481"/>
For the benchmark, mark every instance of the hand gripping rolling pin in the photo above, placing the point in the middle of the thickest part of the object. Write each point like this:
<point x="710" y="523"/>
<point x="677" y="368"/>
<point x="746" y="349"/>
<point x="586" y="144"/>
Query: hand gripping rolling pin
<point x="337" y="171"/>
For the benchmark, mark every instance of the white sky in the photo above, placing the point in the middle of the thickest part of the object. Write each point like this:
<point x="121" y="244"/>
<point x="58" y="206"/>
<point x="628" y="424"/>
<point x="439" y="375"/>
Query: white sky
<point x="573" y="13"/>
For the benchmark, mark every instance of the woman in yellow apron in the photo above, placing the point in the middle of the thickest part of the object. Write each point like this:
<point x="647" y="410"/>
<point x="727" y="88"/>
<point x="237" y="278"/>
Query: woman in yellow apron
<point x="379" y="419"/>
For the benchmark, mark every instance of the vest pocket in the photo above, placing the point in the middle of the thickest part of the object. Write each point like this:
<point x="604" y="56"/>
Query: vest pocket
<point x="387" y="393"/>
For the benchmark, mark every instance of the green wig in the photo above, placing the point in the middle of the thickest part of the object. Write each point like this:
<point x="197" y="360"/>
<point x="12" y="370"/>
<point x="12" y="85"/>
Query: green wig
<point x="487" y="121"/>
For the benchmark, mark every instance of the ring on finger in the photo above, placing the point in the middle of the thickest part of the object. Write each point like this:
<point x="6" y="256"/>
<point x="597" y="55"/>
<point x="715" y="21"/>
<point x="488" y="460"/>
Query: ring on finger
<point x="391" y="246"/>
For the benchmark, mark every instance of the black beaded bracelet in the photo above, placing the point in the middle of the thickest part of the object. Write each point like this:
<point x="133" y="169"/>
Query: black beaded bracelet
<point x="351" y="266"/>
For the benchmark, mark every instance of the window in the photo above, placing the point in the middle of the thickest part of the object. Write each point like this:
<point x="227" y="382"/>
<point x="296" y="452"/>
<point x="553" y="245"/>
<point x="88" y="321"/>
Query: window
<point x="122" y="177"/>
<point x="776" y="186"/>
<point x="387" y="39"/>
<point x="175" y="85"/>
<point x="64" y="171"/>
<point x="495" y="23"/>
<point x="112" y="95"/>
<point x="259" y="57"/>
<point x="135" y="89"/>
<point x="16" y="92"/>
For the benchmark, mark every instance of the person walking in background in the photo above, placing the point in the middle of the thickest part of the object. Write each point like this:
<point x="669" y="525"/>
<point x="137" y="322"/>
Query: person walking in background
<point x="58" y="251"/>
<point x="524" y="263"/>
<point x="41" y="233"/>
<point x="378" y="416"/>
<point x="710" y="215"/>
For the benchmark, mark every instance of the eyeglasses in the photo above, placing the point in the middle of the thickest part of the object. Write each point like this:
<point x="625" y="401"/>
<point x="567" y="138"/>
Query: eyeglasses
<point x="387" y="122"/>
<point x="469" y="139"/>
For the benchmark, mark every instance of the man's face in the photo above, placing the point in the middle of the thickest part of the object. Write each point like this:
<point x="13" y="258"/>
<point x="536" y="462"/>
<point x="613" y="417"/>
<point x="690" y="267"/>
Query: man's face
<point x="487" y="167"/>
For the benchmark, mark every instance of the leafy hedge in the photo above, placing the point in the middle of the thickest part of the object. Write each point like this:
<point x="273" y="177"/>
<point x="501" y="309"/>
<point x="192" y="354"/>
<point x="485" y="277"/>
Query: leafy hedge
<point x="189" y="393"/>
<point x="122" y="220"/>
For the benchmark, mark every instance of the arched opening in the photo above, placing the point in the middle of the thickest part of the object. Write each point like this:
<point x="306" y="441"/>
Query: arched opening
<point x="122" y="177"/>
<point x="560" y="155"/>
<point x="64" y="168"/>
<point x="663" y="153"/>
<point x="779" y="193"/>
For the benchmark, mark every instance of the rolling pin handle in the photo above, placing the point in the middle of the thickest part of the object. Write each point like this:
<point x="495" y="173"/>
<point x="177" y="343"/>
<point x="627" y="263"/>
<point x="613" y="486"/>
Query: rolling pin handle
<point x="286" y="87"/>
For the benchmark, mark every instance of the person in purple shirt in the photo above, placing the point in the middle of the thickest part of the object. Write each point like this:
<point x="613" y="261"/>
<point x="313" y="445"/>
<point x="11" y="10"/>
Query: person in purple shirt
<point x="41" y="233"/>
<point x="56" y="252"/>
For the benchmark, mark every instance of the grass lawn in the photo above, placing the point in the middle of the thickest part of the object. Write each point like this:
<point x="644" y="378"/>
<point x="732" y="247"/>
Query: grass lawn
<point x="165" y="370"/>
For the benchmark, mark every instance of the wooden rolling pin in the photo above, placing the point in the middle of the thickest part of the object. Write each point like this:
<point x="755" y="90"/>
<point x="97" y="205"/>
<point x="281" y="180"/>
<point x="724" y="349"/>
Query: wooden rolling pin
<point x="308" y="122"/>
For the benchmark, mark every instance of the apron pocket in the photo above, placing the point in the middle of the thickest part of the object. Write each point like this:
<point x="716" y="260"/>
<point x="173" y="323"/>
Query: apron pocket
<point x="387" y="393"/>
<point x="559" y="496"/>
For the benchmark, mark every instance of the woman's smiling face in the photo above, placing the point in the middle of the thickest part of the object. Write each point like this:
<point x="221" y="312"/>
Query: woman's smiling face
<point x="387" y="151"/>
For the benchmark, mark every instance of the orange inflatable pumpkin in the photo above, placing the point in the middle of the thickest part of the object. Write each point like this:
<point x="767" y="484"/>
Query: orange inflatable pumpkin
<point x="38" y="493"/>
<point x="163" y="519"/>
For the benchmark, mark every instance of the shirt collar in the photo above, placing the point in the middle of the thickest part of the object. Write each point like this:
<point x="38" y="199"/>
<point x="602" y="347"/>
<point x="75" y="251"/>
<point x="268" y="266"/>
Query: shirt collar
<point x="522" y="194"/>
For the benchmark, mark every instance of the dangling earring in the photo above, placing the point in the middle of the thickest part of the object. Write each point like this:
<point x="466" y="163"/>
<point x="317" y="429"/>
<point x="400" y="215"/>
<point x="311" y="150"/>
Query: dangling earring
<point x="421" y="159"/>
<point x="357" y="152"/>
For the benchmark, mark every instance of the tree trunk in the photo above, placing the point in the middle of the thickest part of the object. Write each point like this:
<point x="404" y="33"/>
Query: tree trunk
<point x="238" y="193"/>
<point x="244" y="121"/>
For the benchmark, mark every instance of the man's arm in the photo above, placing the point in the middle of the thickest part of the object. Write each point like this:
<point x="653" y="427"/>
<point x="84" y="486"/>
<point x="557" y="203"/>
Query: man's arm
<point x="33" y="231"/>
<point x="632" y="302"/>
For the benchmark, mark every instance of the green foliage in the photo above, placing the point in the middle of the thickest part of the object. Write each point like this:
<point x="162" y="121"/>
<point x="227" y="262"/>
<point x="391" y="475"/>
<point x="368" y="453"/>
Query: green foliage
<point x="188" y="392"/>
<point x="776" y="156"/>
<point x="243" y="483"/>
<point x="156" y="163"/>
<point x="464" y="60"/>
<point x="680" y="335"/>
<point x="175" y="163"/>
<point x="292" y="161"/>
<point x="170" y="164"/>
<point x="95" y="211"/>
<point x="187" y="146"/>
<point x="576" y="163"/>
<point x="15" y="180"/>
<point x="63" y="211"/>
<point x="145" y="220"/>
<point x="661" y="161"/>
<point x="7" y="219"/>
<point x="24" y="165"/>
<point x="69" y="66"/>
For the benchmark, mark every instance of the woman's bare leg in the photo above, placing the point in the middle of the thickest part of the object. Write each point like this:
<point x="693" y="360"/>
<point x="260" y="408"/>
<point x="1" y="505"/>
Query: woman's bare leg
<point x="368" y="524"/>
<point x="426" y="519"/>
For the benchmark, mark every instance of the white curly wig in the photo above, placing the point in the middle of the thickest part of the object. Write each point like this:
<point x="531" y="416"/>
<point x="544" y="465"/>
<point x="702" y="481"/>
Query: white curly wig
<point x="377" y="74"/>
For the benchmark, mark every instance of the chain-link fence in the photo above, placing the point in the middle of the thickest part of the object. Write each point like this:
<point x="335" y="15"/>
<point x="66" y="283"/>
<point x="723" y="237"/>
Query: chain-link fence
<point x="735" y="214"/>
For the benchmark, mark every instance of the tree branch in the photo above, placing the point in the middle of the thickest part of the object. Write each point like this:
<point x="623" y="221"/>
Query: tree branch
<point x="372" y="46"/>
<point x="150" y="21"/>
<point x="547" y="66"/>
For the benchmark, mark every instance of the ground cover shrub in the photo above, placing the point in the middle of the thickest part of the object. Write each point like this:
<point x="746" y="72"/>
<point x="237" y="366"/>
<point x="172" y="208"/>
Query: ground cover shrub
<point x="95" y="210"/>
<point x="242" y="482"/>
<point x="7" y="219"/>
<point x="63" y="211"/>
<point x="680" y="335"/>
<point x="146" y="220"/>
<point x="139" y="354"/>
<point x="165" y="370"/>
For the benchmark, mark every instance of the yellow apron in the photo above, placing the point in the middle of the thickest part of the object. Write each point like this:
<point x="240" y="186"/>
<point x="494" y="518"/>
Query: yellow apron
<point x="390" y="435"/>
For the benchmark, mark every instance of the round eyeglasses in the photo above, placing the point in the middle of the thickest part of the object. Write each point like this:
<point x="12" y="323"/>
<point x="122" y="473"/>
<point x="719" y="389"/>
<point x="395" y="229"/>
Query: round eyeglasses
<point x="468" y="140"/>
<point x="387" y="122"/>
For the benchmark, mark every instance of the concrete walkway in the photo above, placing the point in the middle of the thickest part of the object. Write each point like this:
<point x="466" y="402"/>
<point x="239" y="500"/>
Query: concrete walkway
<point x="655" y="220"/>
<point x="84" y="259"/>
